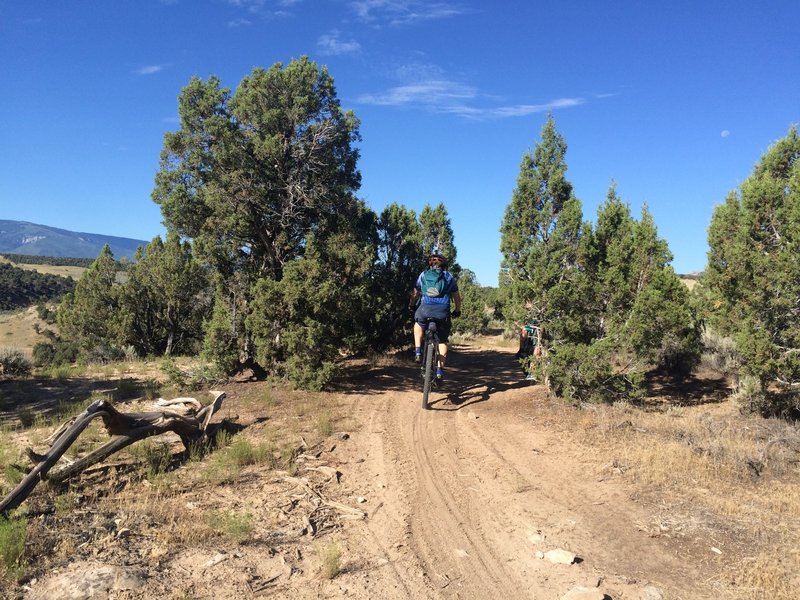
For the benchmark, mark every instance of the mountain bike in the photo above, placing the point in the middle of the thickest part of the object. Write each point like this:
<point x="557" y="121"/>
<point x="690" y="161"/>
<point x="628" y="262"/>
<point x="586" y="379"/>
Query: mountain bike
<point x="430" y="358"/>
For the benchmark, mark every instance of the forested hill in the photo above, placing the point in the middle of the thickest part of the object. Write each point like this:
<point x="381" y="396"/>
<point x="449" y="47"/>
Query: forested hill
<point x="19" y="288"/>
<point x="20" y="237"/>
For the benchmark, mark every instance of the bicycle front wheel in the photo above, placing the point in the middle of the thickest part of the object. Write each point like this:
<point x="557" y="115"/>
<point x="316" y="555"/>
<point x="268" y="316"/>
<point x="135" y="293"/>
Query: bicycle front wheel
<point x="430" y="355"/>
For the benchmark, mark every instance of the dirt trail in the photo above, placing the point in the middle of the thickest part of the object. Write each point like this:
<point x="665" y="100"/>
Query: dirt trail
<point x="463" y="501"/>
<point x="466" y="494"/>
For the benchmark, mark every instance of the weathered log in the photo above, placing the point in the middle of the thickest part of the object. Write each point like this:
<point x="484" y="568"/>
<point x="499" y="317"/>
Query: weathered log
<point x="125" y="429"/>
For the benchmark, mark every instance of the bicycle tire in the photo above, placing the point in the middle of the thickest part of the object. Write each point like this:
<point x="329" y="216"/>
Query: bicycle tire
<point x="430" y="354"/>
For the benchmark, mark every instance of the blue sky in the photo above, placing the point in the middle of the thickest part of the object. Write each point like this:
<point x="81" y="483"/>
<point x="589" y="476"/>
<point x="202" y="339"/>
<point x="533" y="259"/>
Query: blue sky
<point x="675" y="101"/>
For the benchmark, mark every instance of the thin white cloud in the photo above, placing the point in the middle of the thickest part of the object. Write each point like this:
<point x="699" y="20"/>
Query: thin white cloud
<point x="725" y="133"/>
<point x="427" y="87"/>
<point x="523" y="110"/>
<point x="149" y="69"/>
<point x="431" y="94"/>
<point x="253" y="6"/>
<point x="262" y="8"/>
<point x="331" y="44"/>
<point x="239" y="23"/>
<point x="403" y="12"/>
<point x="458" y="99"/>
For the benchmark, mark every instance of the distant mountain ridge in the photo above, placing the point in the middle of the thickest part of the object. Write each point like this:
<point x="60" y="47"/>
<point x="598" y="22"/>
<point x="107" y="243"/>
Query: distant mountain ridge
<point x="21" y="237"/>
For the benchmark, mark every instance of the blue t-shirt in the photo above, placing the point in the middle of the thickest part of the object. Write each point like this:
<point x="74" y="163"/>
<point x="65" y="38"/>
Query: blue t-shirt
<point x="436" y="298"/>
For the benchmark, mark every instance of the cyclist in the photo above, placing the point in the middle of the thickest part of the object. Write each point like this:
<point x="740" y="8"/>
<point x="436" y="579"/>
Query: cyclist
<point x="434" y="289"/>
<point x="529" y="339"/>
<point x="530" y="343"/>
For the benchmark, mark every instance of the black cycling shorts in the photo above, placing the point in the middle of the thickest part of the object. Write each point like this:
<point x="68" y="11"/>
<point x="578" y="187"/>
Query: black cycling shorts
<point x="443" y="323"/>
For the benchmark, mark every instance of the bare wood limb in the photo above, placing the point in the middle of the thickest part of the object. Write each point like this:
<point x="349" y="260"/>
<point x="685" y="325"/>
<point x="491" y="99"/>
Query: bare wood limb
<point x="59" y="447"/>
<point x="125" y="429"/>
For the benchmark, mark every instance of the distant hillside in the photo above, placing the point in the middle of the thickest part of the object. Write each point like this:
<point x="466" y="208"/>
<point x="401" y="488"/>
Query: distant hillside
<point x="19" y="288"/>
<point x="20" y="237"/>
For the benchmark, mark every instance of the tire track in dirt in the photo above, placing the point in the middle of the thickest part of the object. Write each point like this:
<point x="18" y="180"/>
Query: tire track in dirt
<point x="387" y="533"/>
<point x="469" y="491"/>
<point x="445" y="530"/>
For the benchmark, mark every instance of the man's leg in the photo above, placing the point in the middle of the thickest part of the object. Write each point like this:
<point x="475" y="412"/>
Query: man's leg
<point x="442" y="354"/>
<point x="417" y="342"/>
<point x="523" y="338"/>
<point x="442" y="359"/>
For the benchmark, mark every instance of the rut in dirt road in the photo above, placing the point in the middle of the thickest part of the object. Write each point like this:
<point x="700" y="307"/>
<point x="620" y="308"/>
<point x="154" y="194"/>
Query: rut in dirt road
<point x="483" y="492"/>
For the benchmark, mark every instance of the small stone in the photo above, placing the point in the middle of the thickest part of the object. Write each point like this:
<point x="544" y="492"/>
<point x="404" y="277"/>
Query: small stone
<point x="540" y="554"/>
<point x="583" y="593"/>
<point x="560" y="557"/>
<point x="651" y="592"/>
<point x="361" y="500"/>
<point x="535" y="537"/>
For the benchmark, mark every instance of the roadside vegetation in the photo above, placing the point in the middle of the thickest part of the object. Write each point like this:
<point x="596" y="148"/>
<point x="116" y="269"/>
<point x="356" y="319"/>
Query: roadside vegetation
<point x="274" y="268"/>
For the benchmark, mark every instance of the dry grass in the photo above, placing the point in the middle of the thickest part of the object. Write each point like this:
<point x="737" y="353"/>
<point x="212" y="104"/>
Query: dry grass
<point x="739" y="474"/>
<point x="61" y="271"/>
<point x="330" y="559"/>
<point x="16" y="330"/>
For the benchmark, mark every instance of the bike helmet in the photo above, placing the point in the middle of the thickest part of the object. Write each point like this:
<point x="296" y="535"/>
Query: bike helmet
<point x="437" y="259"/>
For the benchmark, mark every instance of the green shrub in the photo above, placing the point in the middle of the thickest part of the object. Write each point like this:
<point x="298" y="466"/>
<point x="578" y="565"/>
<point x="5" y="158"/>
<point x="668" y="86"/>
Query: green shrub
<point x="13" y="532"/>
<point x="13" y="362"/>
<point x="174" y="375"/>
<point x="103" y="353"/>
<point x="26" y="416"/>
<point x="55" y="352"/>
<point x="330" y="559"/>
<point x="235" y="525"/>
<point x="126" y="389"/>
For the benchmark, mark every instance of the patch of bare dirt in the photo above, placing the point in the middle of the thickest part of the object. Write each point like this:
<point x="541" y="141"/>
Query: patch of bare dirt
<point x="465" y="500"/>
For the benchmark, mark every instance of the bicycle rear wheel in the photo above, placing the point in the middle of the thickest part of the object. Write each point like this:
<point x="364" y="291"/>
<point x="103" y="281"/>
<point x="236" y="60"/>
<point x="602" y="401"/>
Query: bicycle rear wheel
<point x="430" y="354"/>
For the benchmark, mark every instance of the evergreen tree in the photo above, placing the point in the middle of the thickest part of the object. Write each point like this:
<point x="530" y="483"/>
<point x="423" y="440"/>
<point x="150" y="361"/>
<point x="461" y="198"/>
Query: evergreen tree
<point x="251" y="178"/>
<point x="165" y="299"/>
<point x="752" y="279"/>
<point x="639" y="315"/>
<point x="319" y="308"/>
<point x="437" y="235"/>
<point x="90" y="315"/>
<point x="474" y="318"/>
<point x="540" y="236"/>
<point x="609" y="305"/>
<point x="400" y="258"/>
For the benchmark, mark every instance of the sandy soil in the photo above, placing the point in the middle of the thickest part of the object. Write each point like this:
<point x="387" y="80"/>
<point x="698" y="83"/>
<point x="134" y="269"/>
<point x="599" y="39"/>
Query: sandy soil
<point x="464" y="500"/>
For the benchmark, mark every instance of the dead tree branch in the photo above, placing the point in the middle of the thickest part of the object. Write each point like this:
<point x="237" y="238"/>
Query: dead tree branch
<point x="125" y="428"/>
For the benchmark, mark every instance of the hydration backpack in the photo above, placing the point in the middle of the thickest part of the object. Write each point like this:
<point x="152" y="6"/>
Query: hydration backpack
<point x="434" y="284"/>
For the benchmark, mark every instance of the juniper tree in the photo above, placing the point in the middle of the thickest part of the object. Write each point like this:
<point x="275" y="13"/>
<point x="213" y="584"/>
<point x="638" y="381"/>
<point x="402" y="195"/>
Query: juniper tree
<point x="89" y="316"/>
<point x="400" y="257"/>
<point x="164" y="300"/>
<point x="540" y="236"/>
<point x="250" y="176"/>
<point x="437" y="234"/>
<point x="473" y="318"/>
<point x="610" y="305"/>
<point x="639" y="313"/>
<point x="320" y="306"/>
<point x="752" y="278"/>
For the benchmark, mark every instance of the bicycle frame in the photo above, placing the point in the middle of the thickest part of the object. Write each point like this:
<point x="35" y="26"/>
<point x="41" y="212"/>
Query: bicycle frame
<point x="430" y="358"/>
